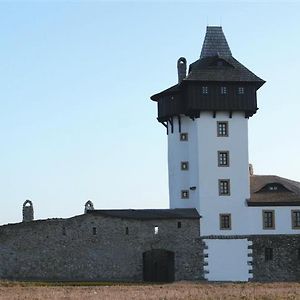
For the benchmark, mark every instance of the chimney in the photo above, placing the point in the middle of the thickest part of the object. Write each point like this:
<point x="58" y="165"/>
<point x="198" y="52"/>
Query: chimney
<point x="181" y="68"/>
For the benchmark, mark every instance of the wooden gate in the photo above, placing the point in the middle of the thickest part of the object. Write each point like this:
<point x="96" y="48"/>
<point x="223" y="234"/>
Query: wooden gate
<point x="158" y="265"/>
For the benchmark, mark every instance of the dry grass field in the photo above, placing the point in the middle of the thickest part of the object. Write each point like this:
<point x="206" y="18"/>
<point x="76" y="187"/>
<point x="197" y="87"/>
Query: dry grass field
<point x="175" y="291"/>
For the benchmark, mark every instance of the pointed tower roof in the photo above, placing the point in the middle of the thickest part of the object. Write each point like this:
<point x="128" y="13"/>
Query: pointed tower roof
<point x="215" y="43"/>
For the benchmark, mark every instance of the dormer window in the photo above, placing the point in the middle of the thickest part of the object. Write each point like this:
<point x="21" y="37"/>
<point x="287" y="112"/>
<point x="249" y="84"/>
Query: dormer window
<point x="273" y="187"/>
<point x="223" y="90"/>
<point x="205" y="90"/>
<point x="241" y="90"/>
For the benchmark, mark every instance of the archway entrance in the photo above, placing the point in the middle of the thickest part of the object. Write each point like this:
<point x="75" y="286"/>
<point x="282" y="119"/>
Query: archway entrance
<point x="158" y="265"/>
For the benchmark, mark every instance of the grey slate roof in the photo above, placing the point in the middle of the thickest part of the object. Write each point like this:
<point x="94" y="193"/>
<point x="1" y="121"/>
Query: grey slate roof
<point x="148" y="214"/>
<point x="265" y="198"/>
<point x="206" y="69"/>
<point x="215" y="43"/>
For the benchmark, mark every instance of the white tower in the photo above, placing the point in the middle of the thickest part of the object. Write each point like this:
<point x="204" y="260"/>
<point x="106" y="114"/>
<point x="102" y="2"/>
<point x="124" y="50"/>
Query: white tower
<point x="206" y="116"/>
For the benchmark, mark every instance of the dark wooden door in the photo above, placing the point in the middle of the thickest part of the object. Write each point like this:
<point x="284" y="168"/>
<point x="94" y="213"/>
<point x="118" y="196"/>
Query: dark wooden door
<point x="158" y="265"/>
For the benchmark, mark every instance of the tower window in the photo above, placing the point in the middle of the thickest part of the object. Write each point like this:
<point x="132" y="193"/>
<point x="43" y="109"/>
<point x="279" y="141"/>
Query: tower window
<point x="268" y="219"/>
<point x="183" y="137"/>
<point x="126" y="230"/>
<point x="224" y="187"/>
<point x="222" y="128"/>
<point x="184" y="165"/>
<point x="155" y="230"/>
<point x="184" y="194"/>
<point x="225" y="221"/>
<point x="268" y="254"/>
<point x="296" y="219"/>
<point x="298" y="253"/>
<point x="241" y="90"/>
<point x="205" y="90"/>
<point x="179" y="224"/>
<point x="223" y="158"/>
<point x="223" y="90"/>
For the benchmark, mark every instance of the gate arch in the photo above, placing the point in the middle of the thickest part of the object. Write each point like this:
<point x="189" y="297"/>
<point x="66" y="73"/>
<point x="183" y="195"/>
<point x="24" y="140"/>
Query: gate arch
<point x="158" y="265"/>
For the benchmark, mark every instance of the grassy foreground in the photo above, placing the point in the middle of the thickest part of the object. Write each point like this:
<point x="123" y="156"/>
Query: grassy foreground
<point x="175" y="291"/>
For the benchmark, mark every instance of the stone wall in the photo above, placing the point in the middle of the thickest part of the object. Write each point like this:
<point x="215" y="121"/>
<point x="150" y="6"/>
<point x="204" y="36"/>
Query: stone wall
<point x="285" y="264"/>
<point x="96" y="247"/>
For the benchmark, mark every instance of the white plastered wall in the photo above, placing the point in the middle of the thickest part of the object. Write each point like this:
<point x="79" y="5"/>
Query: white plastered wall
<point x="228" y="260"/>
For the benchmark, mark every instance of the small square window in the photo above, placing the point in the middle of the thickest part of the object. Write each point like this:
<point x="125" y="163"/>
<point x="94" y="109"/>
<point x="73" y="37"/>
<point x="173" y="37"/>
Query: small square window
<point x="179" y="224"/>
<point x="222" y="128"/>
<point x="268" y="254"/>
<point x="223" y="90"/>
<point x="184" y="194"/>
<point x="225" y="221"/>
<point x="205" y="90"/>
<point x="268" y="219"/>
<point x="296" y="219"/>
<point x="183" y="137"/>
<point x="241" y="90"/>
<point x="224" y="187"/>
<point x="223" y="158"/>
<point x="184" y="165"/>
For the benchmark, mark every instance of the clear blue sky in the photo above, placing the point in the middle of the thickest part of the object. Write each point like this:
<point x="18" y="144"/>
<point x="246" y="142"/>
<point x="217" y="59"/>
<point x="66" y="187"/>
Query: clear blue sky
<point x="76" y="122"/>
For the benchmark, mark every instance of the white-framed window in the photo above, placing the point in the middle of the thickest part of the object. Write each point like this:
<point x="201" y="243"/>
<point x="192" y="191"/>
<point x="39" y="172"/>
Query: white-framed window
<point x="268" y="219"/>
<point x="223" y="158"/>
<point x="295" y="219"/>
<point x="205" y="90"/>
<point x="241" y="90"/>
<point x="224" y="187"/>
<point x="225" y="221"/>
<point x="222" y="128"/>
<point x="223" y="90"/>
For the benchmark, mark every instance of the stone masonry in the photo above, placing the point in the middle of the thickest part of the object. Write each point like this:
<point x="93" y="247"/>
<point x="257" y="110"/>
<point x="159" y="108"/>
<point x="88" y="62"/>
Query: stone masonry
<point x="96" y="248"/>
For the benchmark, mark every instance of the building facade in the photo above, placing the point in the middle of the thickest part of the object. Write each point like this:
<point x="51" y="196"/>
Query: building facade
<point x="206" y="117"/>
<point x="224" y="223"/>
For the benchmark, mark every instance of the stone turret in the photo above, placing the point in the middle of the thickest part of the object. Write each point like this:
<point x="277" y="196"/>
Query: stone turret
<point x="27" y="211"/>
<point x="88" y="206"/>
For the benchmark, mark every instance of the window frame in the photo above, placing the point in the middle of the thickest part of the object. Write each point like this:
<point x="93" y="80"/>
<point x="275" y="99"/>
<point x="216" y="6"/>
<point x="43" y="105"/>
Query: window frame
<point x="224" y="90"/>
<point x="241" y="90"/>
<point x="220" y="188"/>
<point x="187" y="193"/>
<point x="221" y="216"/>
<point x="204" y="90"/>
<point x="219" y="123"/>
<point x="269" y="253"/>
<point x="184" y="163"/>
<point x="295" y="224"/>
<point x="186" y="137"/>
<point x="220" y="160"/>
<point x="265" y="211"/>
